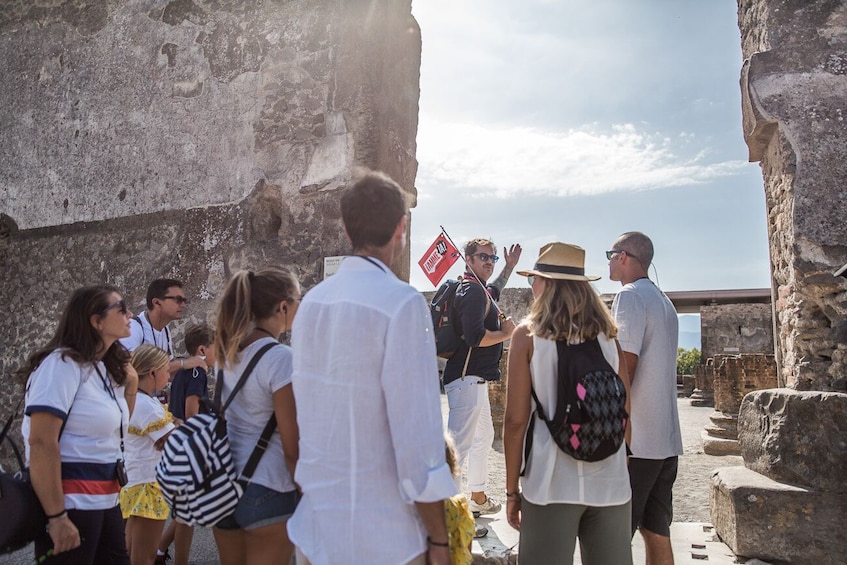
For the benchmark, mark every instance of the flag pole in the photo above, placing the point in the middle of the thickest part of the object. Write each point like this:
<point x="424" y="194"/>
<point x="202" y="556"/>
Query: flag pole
<point x="469" y="270"/>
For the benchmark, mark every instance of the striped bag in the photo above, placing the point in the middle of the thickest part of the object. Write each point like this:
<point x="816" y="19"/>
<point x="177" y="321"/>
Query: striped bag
<point x="196" y="473"/>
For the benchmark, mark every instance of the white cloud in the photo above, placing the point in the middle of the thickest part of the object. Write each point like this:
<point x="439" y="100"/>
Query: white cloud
<point x="505" y="162"/>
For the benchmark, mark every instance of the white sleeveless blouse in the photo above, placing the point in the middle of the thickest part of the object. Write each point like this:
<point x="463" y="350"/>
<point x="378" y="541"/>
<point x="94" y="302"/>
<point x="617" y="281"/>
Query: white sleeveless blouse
<point x="553" y="476"/>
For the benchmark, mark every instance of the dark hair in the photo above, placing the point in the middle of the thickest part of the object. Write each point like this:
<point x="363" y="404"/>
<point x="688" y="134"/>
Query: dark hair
<point x="80" y="340"/>
<point x="248" y="297"/>
<point x="159" y="289"/>
<point x="371" y="208"/>
<point x="197" y="335"/>
<point x="474" y="244"/>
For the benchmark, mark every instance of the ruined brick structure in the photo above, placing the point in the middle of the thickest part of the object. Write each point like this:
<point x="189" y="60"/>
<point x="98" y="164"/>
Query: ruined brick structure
<point x="187" y="138"/>
<point x="789" y="501"/>
<point x="734" y="376"/>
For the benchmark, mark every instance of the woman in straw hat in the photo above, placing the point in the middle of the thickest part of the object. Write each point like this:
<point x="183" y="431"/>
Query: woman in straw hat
<point x="560" y="498"/>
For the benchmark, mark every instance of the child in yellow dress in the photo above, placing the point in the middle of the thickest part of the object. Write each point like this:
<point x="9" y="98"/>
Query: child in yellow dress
<point x="460" y="522"/>
<point x="142" y="503"/>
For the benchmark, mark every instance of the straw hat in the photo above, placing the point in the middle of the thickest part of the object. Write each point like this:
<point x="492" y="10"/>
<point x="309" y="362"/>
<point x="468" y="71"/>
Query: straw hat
<point x="560" y="261"/>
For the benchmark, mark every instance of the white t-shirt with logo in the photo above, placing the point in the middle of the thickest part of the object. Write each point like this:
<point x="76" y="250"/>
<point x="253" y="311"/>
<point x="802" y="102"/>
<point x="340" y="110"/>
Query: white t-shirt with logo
<point x="89" y="445"/>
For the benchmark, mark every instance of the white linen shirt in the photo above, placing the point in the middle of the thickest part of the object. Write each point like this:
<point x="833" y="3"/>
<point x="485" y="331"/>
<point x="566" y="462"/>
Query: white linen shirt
<point x="368" y="408"/>
<point x="552" y="476"/>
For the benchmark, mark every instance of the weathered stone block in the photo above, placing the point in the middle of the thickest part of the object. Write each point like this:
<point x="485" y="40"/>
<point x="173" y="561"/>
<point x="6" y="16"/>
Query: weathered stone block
<point x="796" y="437"/>
<point x="715" y="445"/>
<point x="758" y="517"/>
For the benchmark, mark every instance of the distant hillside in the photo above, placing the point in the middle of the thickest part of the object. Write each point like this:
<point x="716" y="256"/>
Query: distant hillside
<point x="689" y="340"/>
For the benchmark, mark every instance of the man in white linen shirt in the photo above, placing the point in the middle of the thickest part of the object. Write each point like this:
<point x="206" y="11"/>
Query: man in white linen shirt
<point x="372" y="463"/>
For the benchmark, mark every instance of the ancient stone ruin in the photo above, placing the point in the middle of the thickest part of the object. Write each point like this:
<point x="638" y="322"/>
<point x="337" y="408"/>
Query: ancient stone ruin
<point x="188" y="138"/>
<point x="734" y="376"/>
<point x="789" y="501"/>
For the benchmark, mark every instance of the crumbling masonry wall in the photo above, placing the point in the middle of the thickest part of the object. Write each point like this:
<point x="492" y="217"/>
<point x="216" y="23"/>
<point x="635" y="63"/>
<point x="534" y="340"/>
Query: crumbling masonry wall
<point x="187" y="138"/>
<point x="789" y="502"/>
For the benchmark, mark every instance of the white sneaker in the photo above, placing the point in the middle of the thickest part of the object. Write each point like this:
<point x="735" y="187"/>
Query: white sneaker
<point x="487" y="507"/>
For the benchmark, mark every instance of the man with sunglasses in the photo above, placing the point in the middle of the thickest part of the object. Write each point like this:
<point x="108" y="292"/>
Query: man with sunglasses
<point x="475" y="363"/>
<point x="165" y="303"/>
<point x="648" y="334"/>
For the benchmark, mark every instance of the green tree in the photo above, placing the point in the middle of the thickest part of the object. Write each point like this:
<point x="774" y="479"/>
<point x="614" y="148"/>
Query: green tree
<point x="686" y="359"/>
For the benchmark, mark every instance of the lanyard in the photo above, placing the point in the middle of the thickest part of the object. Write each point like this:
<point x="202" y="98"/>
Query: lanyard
<point x="107" y="385"/>
<point x="167" y="335"/>
<point x="369" y="260"/>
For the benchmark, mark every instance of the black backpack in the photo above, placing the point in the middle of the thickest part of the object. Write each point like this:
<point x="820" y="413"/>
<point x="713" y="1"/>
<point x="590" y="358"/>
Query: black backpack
<point x="591" y="416"/>
<point x="441" y="309"/>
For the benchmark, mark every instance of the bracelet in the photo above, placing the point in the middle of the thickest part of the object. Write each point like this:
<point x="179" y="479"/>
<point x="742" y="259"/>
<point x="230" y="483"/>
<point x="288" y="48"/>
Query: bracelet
<point x="437" y="544"/>
<point x="58" y="515"/>
<point x="182" y="361"/>
<point x="516" y="494"/>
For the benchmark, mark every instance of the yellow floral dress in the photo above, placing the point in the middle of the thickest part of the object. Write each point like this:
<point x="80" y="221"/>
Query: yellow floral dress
<point x="150" y="422"/>
<point x="460" y="528"/>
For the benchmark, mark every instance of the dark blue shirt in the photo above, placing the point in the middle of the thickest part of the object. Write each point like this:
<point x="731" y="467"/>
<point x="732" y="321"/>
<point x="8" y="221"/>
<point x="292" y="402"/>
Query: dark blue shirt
<point x="187" y="382"/>
<point x="470" y="323"/>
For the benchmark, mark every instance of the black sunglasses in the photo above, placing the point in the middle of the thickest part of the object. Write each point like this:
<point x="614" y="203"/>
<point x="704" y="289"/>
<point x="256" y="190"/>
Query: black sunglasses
<point x="610" y="254"/>
<point x="486" y="257"/>
<point x="120" y="304"/>
<point x="177" y="299"/>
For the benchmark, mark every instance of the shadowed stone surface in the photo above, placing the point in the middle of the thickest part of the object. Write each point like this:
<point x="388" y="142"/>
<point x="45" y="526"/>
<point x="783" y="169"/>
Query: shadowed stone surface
<point x="188" y="139"/>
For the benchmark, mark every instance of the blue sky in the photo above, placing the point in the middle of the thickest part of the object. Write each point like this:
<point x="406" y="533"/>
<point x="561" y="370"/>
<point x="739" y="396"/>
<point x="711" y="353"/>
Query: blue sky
<point x="563" y="120"/>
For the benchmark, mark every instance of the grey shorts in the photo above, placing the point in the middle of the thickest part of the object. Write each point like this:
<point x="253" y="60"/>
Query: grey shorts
<point x="260" y="506"/>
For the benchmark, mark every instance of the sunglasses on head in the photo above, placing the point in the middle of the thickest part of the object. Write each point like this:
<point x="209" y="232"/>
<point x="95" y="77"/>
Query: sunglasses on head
<point x="177" y="299"/>
<point x="485" y="257"/>
<point x="120" y="305"/>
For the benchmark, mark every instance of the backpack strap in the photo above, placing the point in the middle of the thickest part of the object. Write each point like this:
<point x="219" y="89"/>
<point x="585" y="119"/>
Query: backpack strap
<point x="259" y="450"/>
<point x="243" y="379"/>
<point x="487" y="311"/>
<point x="4" y="434"/>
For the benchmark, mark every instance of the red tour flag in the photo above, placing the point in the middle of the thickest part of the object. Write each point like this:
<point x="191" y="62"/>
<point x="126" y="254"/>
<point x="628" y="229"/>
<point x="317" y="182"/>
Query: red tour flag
<point x="438" y="259"/>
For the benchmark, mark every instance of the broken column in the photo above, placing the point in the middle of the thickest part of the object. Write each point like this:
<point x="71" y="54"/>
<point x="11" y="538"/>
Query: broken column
<point x="789" y="501"/>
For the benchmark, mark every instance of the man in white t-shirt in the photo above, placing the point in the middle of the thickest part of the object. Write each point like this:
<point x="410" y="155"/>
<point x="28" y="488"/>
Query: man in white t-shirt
<point x="372" y="458"/>
<point x="165" y="303"/>
<point x="648" y="334"/>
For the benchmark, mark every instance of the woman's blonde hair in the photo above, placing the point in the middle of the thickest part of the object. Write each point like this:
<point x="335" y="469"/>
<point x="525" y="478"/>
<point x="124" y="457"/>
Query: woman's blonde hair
<point x="249" y="297"/>
<point x="147" y="358"/>
<point x="570" y="310"/>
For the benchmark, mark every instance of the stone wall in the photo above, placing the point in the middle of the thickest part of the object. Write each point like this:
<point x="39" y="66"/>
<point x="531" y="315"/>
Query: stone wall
<point x="736" y="328"/>
<point x="793" y="85"/>
<point x="188" y="139"/>
<point x="788" y="503"/>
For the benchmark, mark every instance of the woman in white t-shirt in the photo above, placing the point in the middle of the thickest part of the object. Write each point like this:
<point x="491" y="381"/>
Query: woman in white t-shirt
<point x="255" y="308"/>
<point x="142" y="504"/>
<point x="561" y="499"/>
<point x="79" y="395"/>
